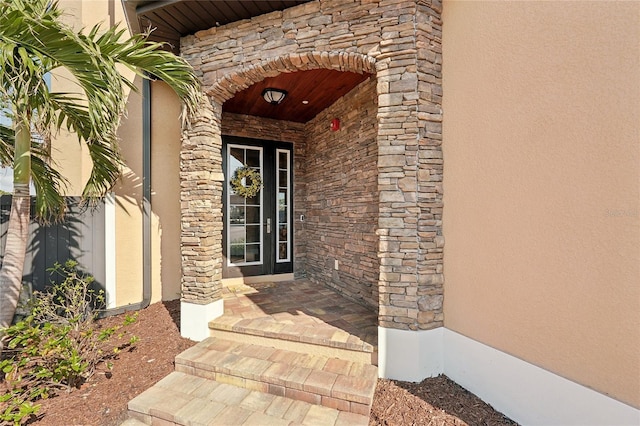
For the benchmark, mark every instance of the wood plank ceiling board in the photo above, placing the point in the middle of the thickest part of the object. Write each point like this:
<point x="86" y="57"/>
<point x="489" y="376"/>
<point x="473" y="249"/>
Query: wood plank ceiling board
<point x="320" y="88"/>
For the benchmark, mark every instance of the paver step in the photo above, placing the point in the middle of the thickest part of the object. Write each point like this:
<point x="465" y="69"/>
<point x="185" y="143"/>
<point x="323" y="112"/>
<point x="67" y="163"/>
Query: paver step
<point x="270" y="327"/>
<point x="298" y="315"/>
<point x="183" y="399"/>
<point x="295" y="342"/>
<point x="331" y="382"/>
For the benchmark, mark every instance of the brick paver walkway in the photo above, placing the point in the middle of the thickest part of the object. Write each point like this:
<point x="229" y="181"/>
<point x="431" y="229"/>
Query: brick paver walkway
<point x="299" y="310"/>
<point x="283" y="353"/>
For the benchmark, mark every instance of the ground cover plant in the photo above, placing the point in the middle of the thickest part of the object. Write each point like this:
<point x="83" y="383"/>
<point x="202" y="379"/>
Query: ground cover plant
<point x="58" y="346"/>
<point x="102" y="400"/>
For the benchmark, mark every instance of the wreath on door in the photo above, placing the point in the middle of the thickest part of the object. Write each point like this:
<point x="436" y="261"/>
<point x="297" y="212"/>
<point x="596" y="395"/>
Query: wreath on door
<point x="246" y="182"/>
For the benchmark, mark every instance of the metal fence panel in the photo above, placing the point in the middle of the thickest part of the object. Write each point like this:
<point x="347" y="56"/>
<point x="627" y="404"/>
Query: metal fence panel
<point x="80" y="237"/>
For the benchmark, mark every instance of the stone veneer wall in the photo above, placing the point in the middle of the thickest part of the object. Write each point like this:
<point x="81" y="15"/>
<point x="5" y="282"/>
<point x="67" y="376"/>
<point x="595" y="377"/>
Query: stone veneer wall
<point x="285" y="131"/>
<point x="201" y="180"/>
<point x="429" y="295"/>
<point x="342" y="197"/>
<point x="399" y="42"/>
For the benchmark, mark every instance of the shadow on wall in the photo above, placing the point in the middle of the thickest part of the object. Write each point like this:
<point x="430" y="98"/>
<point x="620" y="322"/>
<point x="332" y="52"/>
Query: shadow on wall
<point x="129" y="192"/>
<point x="173" y="307"/>
<point x="81" y="237"/>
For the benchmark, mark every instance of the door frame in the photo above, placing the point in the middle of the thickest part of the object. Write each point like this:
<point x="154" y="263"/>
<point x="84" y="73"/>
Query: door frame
<point x="269" y="264"/>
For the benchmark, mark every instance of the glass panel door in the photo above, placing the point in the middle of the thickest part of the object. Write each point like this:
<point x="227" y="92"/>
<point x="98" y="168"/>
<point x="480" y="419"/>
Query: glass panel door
<point x="257" y="237"/>
<point x="244" y="215"/>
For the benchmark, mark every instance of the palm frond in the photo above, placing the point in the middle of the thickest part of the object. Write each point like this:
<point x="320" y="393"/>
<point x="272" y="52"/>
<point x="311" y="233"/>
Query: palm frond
<point x="7" y="143"/>
<point x="51" y="204"/>
<point x="48" y="182"/>
<point x="143" y="56"/>
<point x="33" y="42"/>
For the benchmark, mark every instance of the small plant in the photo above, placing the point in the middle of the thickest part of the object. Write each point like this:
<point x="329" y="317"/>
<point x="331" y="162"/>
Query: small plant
<point x="58" y="346"/>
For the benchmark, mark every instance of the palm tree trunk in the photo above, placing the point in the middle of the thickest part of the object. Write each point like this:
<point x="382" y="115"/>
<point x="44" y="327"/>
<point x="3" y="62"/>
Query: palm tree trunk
<point x="18" y="232"/>
<point x="14" y="256"/>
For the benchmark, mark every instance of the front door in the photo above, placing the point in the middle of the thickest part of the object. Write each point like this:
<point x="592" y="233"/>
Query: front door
<point x="258" y="232"/>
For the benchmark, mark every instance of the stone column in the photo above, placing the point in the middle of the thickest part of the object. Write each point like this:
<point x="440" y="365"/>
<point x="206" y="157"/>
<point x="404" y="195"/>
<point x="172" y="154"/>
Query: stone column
<point x="201" y="181"/>
<point x="430" y="290"/>
<point x="410" y="185"/>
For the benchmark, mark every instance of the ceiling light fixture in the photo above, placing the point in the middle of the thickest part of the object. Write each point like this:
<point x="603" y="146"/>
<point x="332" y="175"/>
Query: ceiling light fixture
<point x="274" y="96"/>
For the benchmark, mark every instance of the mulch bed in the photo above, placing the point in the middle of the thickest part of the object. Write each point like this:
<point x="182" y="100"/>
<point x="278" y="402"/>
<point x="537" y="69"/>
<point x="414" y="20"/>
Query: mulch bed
<point x="103" y="400"/>
<point x="435" y="401"/>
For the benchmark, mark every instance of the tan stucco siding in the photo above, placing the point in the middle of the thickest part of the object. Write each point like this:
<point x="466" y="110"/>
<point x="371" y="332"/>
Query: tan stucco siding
<point x="165" y="265"/>
<point x="128" y="214"/>
<point x="541" y="182"/>
<point x="71" y="157"/>
<point x="165" y="195"/>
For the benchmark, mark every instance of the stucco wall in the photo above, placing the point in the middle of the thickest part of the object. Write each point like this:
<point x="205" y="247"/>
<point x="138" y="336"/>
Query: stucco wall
<point x="542" y="159"/>
<point x="342" y="200"/>
<point x="165" y="196"/>
<point x="165" y="191"/>
<point x="128" y="214"/>
<point x="73" y="158"/>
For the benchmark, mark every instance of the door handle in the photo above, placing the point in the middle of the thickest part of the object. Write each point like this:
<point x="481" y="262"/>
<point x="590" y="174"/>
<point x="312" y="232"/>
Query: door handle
<point x="268" y="225"/>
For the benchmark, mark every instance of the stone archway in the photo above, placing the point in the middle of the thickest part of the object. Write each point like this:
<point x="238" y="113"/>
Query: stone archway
<point x="202" y="177"/>
<point x="229" y="84"/>
<point x="403" y="51"/>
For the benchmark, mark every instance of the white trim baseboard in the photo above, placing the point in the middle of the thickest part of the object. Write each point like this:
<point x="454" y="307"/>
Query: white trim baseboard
<point x="409" y="355"/>
<point x="526" y="393"/>
<point x="522" y="391"/>
<point x="194" y="318"/>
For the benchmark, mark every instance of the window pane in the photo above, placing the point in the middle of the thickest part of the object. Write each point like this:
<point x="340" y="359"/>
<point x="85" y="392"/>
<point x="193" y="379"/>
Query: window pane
<point x="253" y="215"/>
<point x="253" y="252"/>
<point x="282" y="179"/>
<point x="237" y="253"/>
<point x="237" y="159"/>
<point x="253" y="158"/>
<point x="282" y="251"/>
<point x="235" y="199"/>
<point x="254" y="201"/>
<point x="282" y="159"/>
<point x="236" y="234"/>
<point x="253" y="233"/>
<point x="236" y="215"/>
<point x="282" y="233"/>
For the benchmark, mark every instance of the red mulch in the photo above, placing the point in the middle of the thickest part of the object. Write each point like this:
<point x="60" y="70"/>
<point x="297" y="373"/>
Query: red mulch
<point x="103" y="399"/>
<point x="436" y="401"/>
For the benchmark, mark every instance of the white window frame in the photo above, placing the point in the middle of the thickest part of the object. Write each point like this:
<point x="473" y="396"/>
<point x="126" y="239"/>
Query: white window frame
<point x="288" y="210"/>
<point x="228" y="207"/>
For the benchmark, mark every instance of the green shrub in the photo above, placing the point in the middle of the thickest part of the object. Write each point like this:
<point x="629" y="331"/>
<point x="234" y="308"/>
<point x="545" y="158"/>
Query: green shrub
<point x="58" y="346"/>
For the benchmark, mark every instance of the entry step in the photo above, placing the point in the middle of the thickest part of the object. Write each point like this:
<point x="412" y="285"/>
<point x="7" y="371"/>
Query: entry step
<point x="183" y="399"/>
<point x="320" y="380"/>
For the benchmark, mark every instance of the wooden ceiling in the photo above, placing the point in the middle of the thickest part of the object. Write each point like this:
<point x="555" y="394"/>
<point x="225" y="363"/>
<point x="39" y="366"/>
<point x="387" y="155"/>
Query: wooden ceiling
<point x="320" y="88"/>
<point x="172" y="19"/>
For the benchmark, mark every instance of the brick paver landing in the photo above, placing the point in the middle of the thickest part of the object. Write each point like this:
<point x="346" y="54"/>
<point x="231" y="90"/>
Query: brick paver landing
<point x="299" y="311"/>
